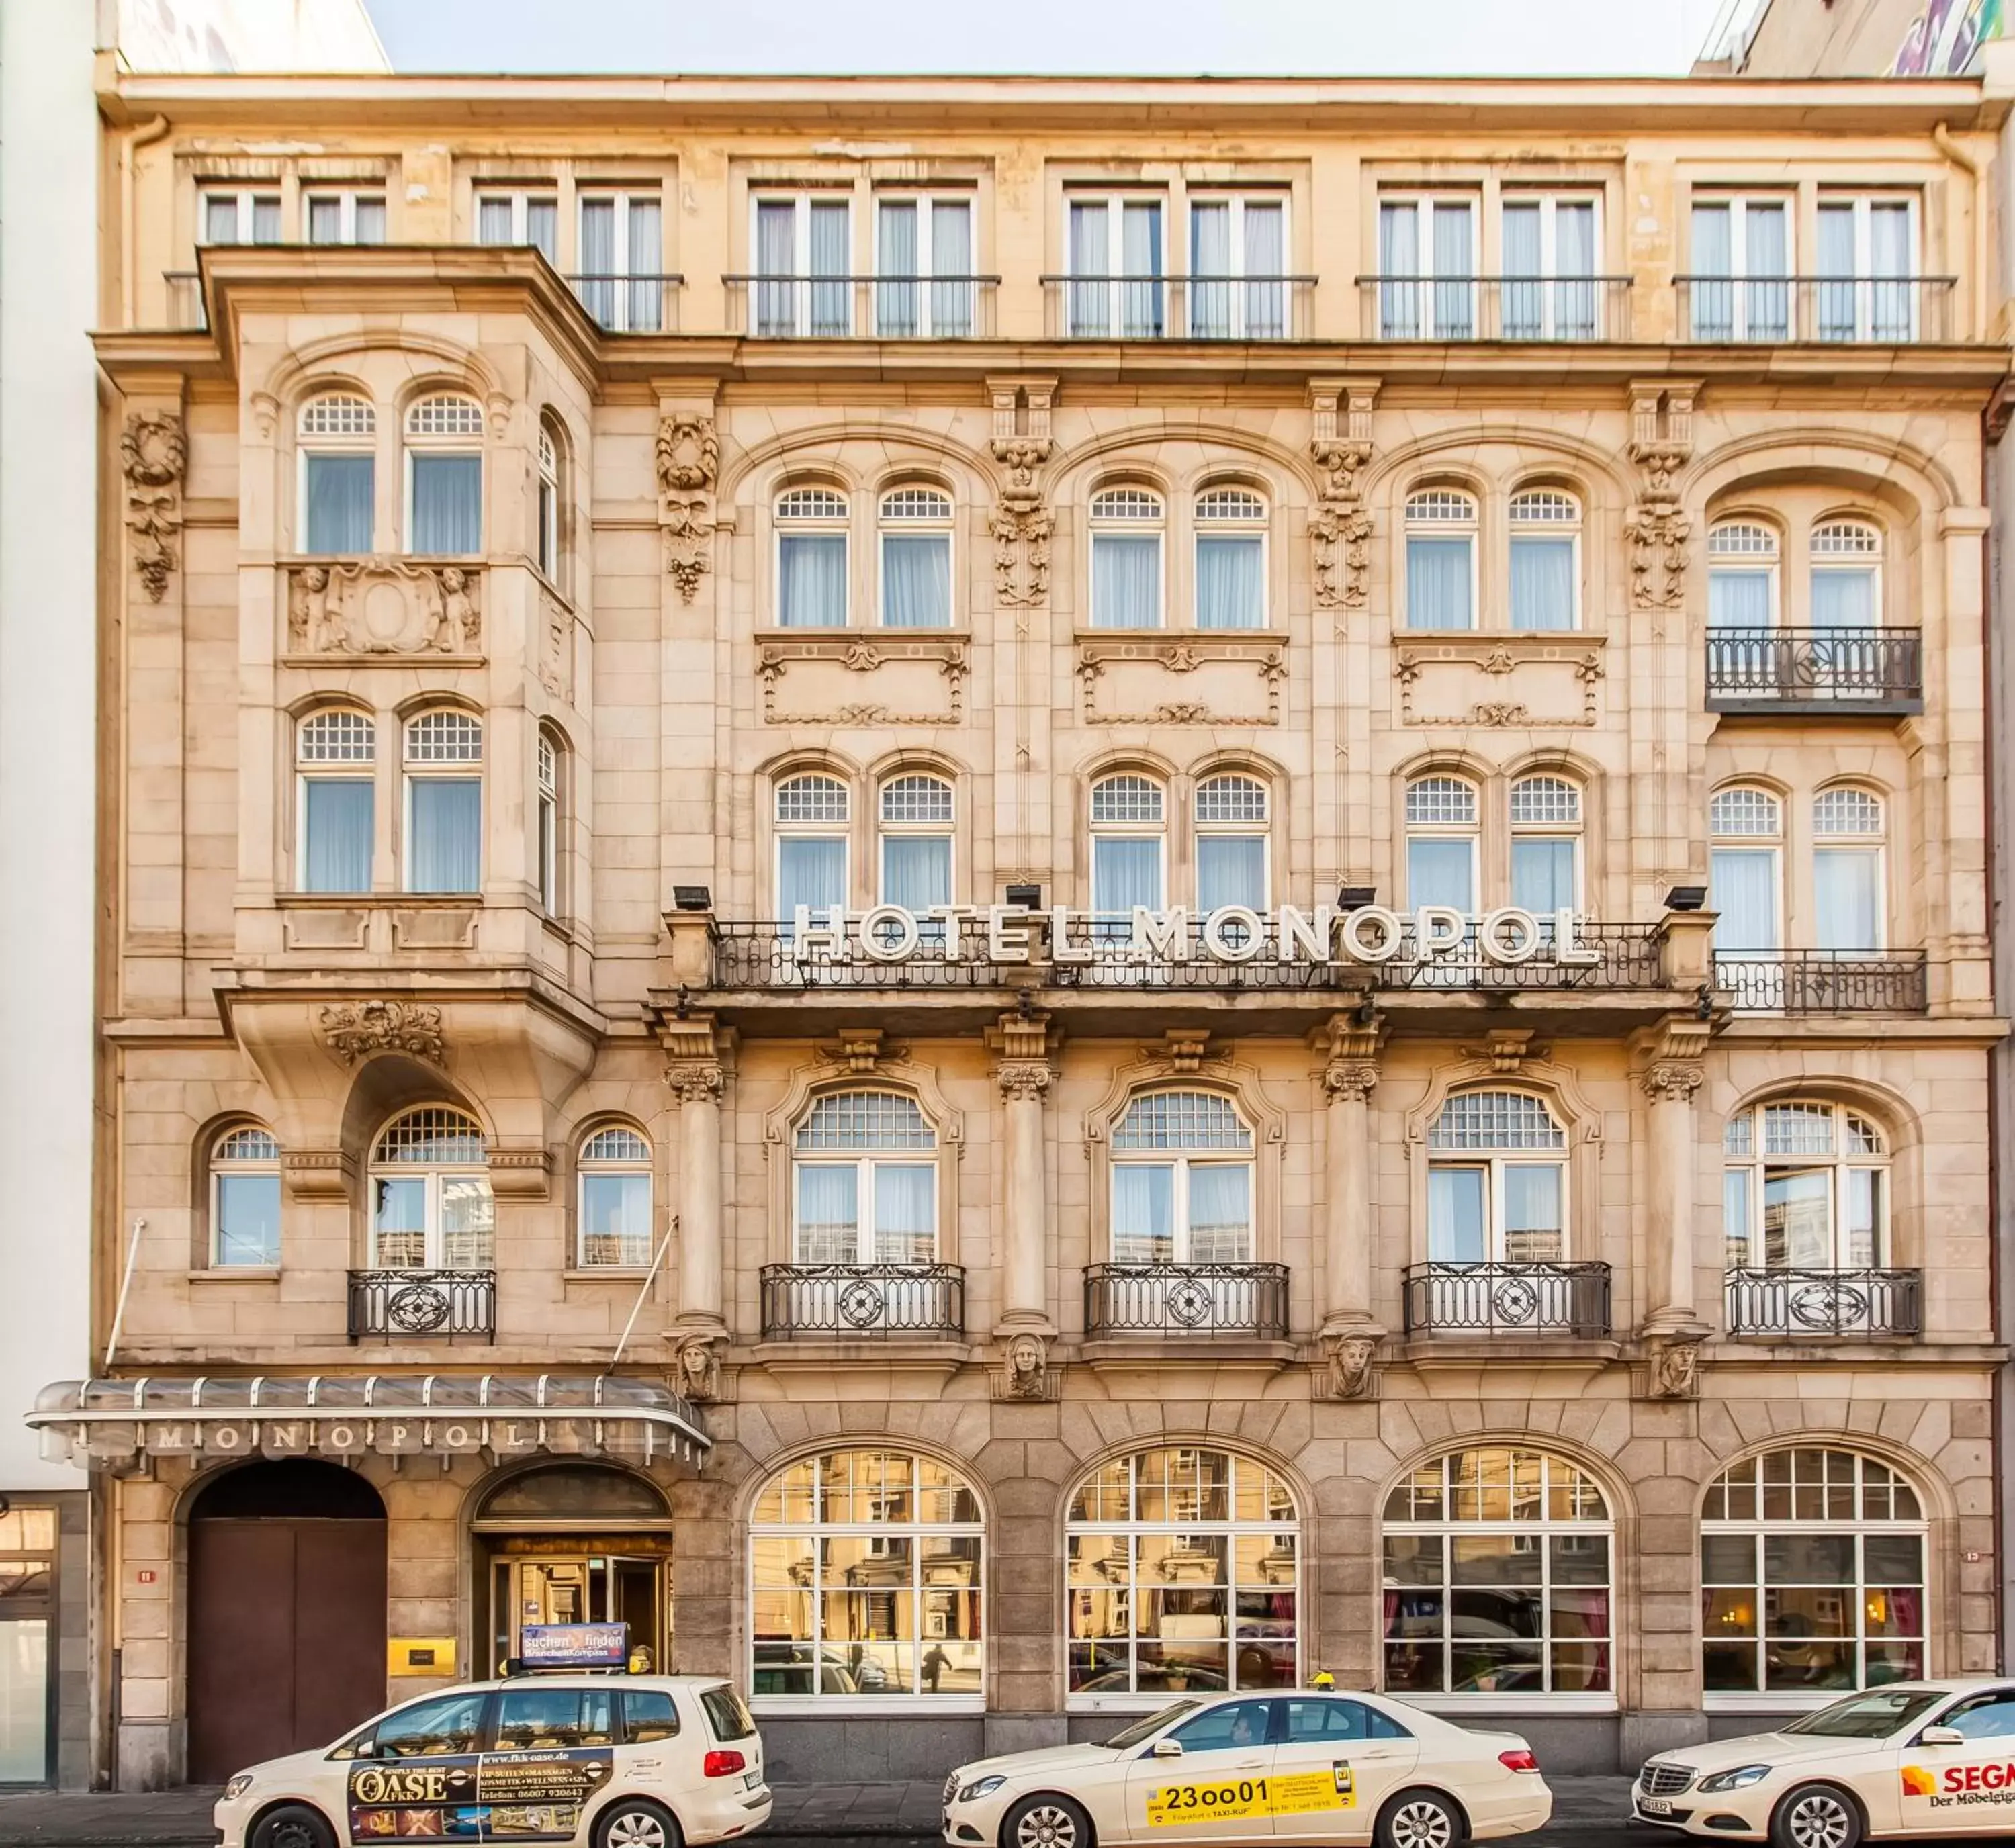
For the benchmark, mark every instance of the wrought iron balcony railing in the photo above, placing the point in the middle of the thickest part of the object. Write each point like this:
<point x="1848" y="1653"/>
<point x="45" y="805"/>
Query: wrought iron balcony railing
<point x="1889" y="310"/>
<point x="861" y="307"/>
<point x="1824" y="980"/>
<point x="1186" y="1299"/>
<point x="1178" y="307"/>
<point x="1495" y="307"/>
<point x="863" y="1299"/>
<point x="1825" y="1302"/>
<point x="1507" y="1299"/>
<point x="1812" y="672"/>
<point x="421" y="1305"/>
<point x="630" y="303"/>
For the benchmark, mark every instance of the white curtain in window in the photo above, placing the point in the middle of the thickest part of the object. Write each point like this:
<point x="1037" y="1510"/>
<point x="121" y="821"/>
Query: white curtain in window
<point x="1713" y="255"/>
<point x="811" y="580"/>
<point x="265" y="221"/>
<point x="1220" y="1228"/>
<point x="1231" y="870"/>
<point x="1126" y="871"/>
<point x="916" y="871"/>
<point x="1889" y="249"/>
<point x="325" y="220"/>
<point x="1210" y="264"/>
<point x="1230" y="581"/>
<point x="1738" y="599"/>
<point x="916" y="580"/>
<point x="828" y="1225"/>
<point x="1542" y="874"/>
<point x="597" y="260"/>
<point x="1438" y="583"/>
<point x="1768" y="303"/>
<point x="1847" y="898"/>
<point x="1126" y="581"/>
<point x="1837" y="299"/>
<point x="1090" y="304"/>
<point x="1531" y="1214"/>
<point x="1266" y="262"/>
<point x="1140" y="251"/>
<point x="493" y="221"/>
<point x="1457" y="1231"/>
<point x="776" y="255"/>
<point x="895" y="257"/>
<point x="219" y="220"/>
<point x="1143" y="1213"/>
<point x="1743" y="882"/>
<point x="1455" y="311"/>
<point x="905" y="1213"/>
<point x="811" y="870"/>
<point x="645" y="307"/>
<point x="951" y="255"/>
<point x="1523" y="295"/>
<point x="341" y="492"/>
<point x="369" y="219"/>
<point x="335" y="823"/>
<point x="1441" y="872"/>
<point x="1542" y="584"/>
<point x="447" y="503"/>
<point x="542" y="226"/>
<point x="1843" y="599"/>
<point x="1574" y="267"/>
<point x="831" y="309"/>
<point x="446" y="847"/>
<point x="1400" y="261"/>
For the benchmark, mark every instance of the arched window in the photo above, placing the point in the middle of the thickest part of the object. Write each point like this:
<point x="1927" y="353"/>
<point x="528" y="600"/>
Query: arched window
<point x="1741" y="575"/>
<point x="1497" y="1189"/>
<point x="1182" y="1566"/>
<point x="1546" y="844"/>
<point x="339" y="490"/>
<point x="812" y="815"/>
<point x="1846" y="574"/>
<point x="430" y="1203"/>
<point x="867" y="1578"/>
<point x="1850" y="911"/>
<point x="1129" y="849"/>
<point x="548" y="842"/>
<point x="811" y="559"/>
<point x="1182" y="1181"/>
<point x="444" y="475"/>
<point x="1497" y="1577"/>
<point x="245" y="1200"/>
<point x="1806" y="1188"/>
<point x="1442" y="842"/>
<point x="444" y="803"/>
<point x="334" y="754"/>
<point x="1230" y="559"/>
<point x="916" y="558"/>
<point x="1126" y="530"/>
<point x="864" y="1182"/>
<point x="1231" y="843"/>
<point x="547" y="537"/>
<point x="1546" y="559"/>
<point x="1441" y="559"/>
<point x="617" y="1226"/>
<point x="1812" y="1575"/>
<point x="1745" y="869"/>
<point x="916" y="826"/>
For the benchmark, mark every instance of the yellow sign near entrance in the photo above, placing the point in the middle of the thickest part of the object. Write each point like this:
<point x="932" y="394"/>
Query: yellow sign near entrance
<point x="1297" y="1793"/>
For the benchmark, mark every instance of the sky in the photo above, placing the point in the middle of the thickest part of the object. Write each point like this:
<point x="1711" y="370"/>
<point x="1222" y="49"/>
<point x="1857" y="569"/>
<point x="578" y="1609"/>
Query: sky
<point x="1102" y="37"/>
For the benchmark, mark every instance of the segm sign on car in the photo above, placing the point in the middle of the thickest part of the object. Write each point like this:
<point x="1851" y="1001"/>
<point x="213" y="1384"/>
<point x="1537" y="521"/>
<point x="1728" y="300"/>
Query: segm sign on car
<point x="1302" y="1793"/>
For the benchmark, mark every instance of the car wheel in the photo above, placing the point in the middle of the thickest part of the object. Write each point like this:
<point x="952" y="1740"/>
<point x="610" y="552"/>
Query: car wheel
<point x="1419" y="1819"/>
<point x="292" y="1825"/>
<point x="1046" y="1822"/>
<point x="632" y="1822"/>
<point x="1816" y="1816"/>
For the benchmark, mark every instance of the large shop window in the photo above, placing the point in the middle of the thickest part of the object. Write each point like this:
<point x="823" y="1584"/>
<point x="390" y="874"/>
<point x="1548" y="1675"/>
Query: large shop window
<point x="1184" y="1577"/>
<point x="27" y="1620"/>
<point x="1811" y="1575"/>
<point x="1497" y="1577"/>
<point x="865" y="1577"/>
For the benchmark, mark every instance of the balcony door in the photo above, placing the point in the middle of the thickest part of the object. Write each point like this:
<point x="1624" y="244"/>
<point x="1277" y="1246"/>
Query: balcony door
<point x="431" y="1206"/>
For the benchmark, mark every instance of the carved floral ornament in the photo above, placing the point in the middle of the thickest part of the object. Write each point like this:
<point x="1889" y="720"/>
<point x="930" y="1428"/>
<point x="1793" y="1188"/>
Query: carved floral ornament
<point x="1339" y="528"/>
<point x="354" y="1031"/>
<point x="689" y="462"/>
<point x="1022" y="1079"/>
<point x="153" y="453"/>
<point x="1020" y="525"/>
<point x="1661" y="443"/>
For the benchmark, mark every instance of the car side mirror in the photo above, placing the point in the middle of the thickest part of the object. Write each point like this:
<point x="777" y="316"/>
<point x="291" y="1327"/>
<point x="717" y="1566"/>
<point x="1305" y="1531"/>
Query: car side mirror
<point x="1941" y="1735"/>
<point x="1165" y="1748"/>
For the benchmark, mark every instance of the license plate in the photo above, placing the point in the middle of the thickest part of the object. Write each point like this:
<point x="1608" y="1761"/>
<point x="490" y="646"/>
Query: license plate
<point x="751" y="1780"/>
<point x="1655" y="1806"/>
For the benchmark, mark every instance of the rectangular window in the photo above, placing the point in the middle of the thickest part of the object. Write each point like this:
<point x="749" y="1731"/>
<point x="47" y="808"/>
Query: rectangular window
<point x="1548" y="290"/>
<point x="520" y="217"/>
<point x="1847" y="898"/>
<point x="1230" y="580"/>
<point x="1441" y="872"/>
<point x="1867" y="269"/>
<point x="444" y="847"/>
<point x="247" y="1217"/>
<point x="1458" y="1223"/>
<point x="803" y="249"/>
<point x="1231" y="870"/>
<point x="1743" y="889"/>
<point x="1126" y="580"/>
<point x="916" y="580"/>
<point x="1735" y="1220"/>
<point x="24" y="1699"/>
<point x="1742" y="287"/>
<point x="923" y="269"/>
<point x="241" y="217"/>
<point x="345" y="218"/>
<point x="447" y="503"/>
<point x="1427" y="268"/>
<point x="1542" y="582"/>
<point x="1441" y="583"/>
<point x="615" y="1220"/>
<point x="811" y="871"/>
<point x="549" y="853"/>
<point x="1238" y="263"/>
<point x="1542" y="874"/>
<point x="1114" y="247"/>
<point x="1739" y="596"/>
<point x="916" y="871"/>
<point x="621" y="281"/>
<point x="339" y="500"/>
<point x="336" y="834"/>
<point x="1126" y="871"/>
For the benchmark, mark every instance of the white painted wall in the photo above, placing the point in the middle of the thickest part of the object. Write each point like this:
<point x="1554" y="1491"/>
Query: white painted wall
<point x="49" y="756"/>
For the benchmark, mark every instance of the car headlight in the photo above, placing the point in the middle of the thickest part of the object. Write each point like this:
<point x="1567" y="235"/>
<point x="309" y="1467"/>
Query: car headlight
<point x="1737" y="1779"/>
<point x="979" y="1788"/>
<point x="237" y="1787"/>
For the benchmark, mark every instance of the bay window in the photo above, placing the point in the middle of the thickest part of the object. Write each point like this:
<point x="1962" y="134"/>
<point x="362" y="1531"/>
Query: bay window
<point x="338" y="436"/>
<point x="335" y="769"/>
<point x="811" y="559"/>
<point x="547" y="844"/>
<point x="1441" y="559"/>
<point x="546" y="529"/>
<point x="443" y="768"/>
<point x="444" y="475"/>
<point x="1230" y="559"/>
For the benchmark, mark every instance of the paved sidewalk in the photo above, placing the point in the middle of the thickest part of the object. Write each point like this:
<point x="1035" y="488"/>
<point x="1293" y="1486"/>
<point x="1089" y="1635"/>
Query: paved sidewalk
<point x="179" y="1818"/>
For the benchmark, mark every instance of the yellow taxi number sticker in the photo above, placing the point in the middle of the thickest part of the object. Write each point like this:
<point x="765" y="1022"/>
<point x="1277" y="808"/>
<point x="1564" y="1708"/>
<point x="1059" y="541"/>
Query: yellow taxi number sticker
<point x="1299" y="1793"/>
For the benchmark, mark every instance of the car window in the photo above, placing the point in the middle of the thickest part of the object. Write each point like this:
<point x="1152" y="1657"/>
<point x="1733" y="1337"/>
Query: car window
<point x="553" y="1719"/>
<point x="1311" y="1719"/>
<point x="449" y="1724"/>
<point x="1147" y="1728"/>
<point x="1872" y="1716"/>
<point x="727" y="1716"/>
<point x="649" y="1714"/>
<point x="1984" y="1717"/>
<point x="1225" y="1728"/>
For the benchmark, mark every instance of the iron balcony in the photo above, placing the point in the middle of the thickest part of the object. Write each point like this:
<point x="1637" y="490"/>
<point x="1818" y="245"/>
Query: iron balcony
<point x="1824" y="1302"/>
<point x="1186" y="1299"/>
<point x="1815" y="673"/>
<point x="420" y="1305"/>
<point x="863" y="1299"/>
<point x="1508" y="1299"/>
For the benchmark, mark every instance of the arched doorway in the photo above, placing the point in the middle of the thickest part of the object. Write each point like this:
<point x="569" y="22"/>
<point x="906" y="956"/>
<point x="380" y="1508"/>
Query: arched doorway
<point x="573" y="1543"/>
<point x="287" y="1644"/>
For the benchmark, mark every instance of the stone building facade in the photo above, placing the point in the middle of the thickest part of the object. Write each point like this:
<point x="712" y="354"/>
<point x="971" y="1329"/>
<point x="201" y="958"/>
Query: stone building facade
<point x="1001" y="896"/>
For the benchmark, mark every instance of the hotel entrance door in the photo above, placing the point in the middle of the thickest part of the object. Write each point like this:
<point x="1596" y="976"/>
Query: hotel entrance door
<point x="579" y="1588"/>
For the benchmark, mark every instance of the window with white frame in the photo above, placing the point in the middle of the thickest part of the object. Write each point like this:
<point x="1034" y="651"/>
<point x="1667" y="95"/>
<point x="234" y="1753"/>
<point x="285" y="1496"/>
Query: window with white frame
<point x="1129" y="849"/>
<point x="345" y="215"/>
<point x="1846" y="574"/>
<point x="812" y="815"/>
<point x="1742" y="562"/>
<point x="245" y="1200"/>
<point x="1182" y="1574"/>
<point x="622" y="259"/>
<point x="864" y="1182"/>
<point x="1549" y="291"/>
<point x="923" y="266"/>
<point x="1812" y="1576"/>
<point x="811" y="559"/>
<point x="1182" y="1181"/>
<point x="1546" y="559"/>
<point x="1741" y="288"/>
<point x="1114" y="243"/>
<point x="1867" y="268"/>
<point x="1497" y="1577"/>
<point x="519" y="215"/>
<point x="1441" y="559"/>
<point x="1849" y="907"/>
<point x="1230" y="559"/>
<point x="916" y="558"/>
<point x="548" y="845"/>
<point x="1238" y="267"/>
<point x="444" y="475"/>
<point x="1546" y="838"/>
<point x="336" y="769"/>
<point x="338" y="435"/>
<point x="1427" y="267"/>
<point x="1231" y="843"/>
<point x="916" y="831"/>
<point x="1442" y="842"/>
<point x="1496" y="1181"/>
<point x="240" y="215"/>
<point x="1745" y="869"/>
<point x="616" y="1228"/>
<point x="430" y="1203"/>
<point x="866" y="1581"/>
<point x="1805" y="1187"/>
<point x="444" y="803"/>
<point x="546" y="537"/>
<point x="803" y="247"/>
<point x="1126" y="534"/>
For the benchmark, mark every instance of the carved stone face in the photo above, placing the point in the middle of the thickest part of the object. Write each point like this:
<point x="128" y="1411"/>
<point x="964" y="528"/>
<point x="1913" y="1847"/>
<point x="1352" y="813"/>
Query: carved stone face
<point x="1026" y="1357"/>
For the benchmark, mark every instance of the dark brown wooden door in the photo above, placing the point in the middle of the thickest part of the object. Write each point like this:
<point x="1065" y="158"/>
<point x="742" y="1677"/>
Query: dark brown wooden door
<point x="286" y="1637"/>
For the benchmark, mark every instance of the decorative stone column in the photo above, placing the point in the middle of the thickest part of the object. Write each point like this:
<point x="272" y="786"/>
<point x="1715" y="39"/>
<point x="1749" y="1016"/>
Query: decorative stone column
<point x="1670" y="1075"/>
<point x="1350" y="1336"/>
<point x="696" y="1077"/>
<point x="1022" y="1044"/>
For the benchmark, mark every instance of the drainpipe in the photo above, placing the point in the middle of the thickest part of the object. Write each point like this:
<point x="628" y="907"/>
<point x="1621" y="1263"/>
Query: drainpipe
<point x="1942" y="139"/>
<point x="144" y="135"/>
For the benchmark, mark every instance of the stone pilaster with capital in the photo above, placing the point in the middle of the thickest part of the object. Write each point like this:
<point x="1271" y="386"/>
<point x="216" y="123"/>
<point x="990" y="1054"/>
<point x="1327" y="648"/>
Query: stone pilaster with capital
<point x="1349" y="1044"/>
<point x="1661" y="444"/>
<point x="1020" y="524"/>
<point x="1022" y="1044"/>
<point x="696" y="1075"/>
<point x="1339" y="528"/>
<point x="1670" y="1071"/>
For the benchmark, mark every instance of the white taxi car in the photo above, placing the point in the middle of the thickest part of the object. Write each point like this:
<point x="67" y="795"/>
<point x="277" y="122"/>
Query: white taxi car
<point x="1322" y="1767"/>
<point x="1913" y="1758"/>
<point x="604" y="1761"/>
